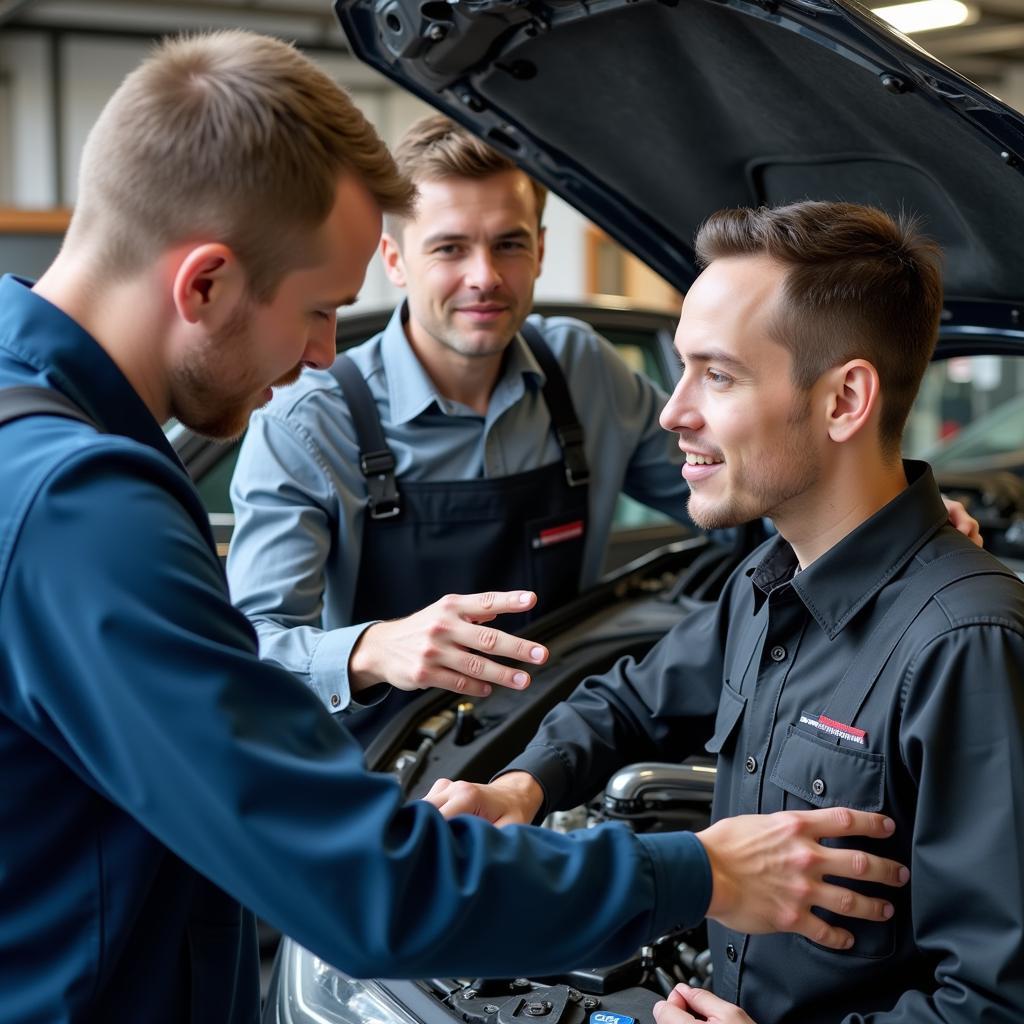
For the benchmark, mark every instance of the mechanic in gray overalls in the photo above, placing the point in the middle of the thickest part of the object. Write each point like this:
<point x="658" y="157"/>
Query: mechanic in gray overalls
<point x="463" y="450"/>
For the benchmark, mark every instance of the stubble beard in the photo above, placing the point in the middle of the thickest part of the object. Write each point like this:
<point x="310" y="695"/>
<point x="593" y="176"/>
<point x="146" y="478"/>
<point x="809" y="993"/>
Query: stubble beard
<point x="447" y="333"/>
<point x="203" y="400"/>
<point x="778" y="479"/>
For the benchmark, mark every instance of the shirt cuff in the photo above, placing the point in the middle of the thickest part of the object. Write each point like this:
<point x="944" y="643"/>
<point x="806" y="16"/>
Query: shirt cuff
<point x="682" y="879"/>
<point x="328" y="669"/>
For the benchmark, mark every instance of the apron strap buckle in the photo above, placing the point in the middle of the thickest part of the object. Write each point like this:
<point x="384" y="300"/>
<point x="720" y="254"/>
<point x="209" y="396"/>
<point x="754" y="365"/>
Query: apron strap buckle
<point x="379" y="469"/>
<point x="570" y="438"/>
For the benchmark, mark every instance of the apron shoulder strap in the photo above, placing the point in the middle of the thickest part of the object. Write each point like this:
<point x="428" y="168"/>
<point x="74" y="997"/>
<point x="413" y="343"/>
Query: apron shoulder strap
<point x="17" y="403"/>
<point x="849" y="696"/>
<point x="375" y="457"/>
<point x="567" y="426"/>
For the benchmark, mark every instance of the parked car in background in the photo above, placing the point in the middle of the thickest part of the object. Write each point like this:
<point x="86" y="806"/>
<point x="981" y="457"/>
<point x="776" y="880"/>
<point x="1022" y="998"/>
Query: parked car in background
<point x="648" y="115"/>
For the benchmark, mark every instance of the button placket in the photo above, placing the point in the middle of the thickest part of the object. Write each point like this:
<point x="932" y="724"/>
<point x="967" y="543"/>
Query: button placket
<point x="787" y="619"/>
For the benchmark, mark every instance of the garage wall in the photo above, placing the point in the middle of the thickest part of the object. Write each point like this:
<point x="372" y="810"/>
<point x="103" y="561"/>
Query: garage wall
<point x="41" y="141"/>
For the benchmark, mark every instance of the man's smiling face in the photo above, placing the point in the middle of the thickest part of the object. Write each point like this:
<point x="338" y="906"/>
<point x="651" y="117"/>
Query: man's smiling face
<point x="747" y="431"/>
<point x="468" y="261"/>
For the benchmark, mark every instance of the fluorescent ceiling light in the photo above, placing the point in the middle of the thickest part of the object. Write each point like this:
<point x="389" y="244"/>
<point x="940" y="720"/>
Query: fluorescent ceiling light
<point x="925" y="15"/>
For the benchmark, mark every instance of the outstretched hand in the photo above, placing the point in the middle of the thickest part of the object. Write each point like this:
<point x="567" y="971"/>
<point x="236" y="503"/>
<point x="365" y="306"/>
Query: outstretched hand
<point x="447" y="645"/>
<point x="769" y="870"/>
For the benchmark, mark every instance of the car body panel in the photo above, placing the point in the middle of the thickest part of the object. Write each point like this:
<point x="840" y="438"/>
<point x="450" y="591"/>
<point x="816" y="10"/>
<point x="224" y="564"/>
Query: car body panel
<point x="705" y="104"/>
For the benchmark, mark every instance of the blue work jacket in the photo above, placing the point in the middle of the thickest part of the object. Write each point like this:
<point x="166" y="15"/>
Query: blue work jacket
<point x="158" y="777"/>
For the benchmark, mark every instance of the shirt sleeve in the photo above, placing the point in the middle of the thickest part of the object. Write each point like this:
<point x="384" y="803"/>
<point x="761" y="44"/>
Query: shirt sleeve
<point x="661" y="708"/>
<point x="961" y="741"/>
<point x="298" y="515"/>
<point x="130" y="664"/>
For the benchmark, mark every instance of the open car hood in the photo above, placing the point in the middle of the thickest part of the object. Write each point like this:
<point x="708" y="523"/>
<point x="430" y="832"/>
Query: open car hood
<point x="648" y="116"/>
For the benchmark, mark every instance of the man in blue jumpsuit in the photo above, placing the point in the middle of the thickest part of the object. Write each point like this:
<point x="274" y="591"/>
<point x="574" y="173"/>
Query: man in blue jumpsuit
<point x="158" y="775"/>
<point x="868" y="656"/>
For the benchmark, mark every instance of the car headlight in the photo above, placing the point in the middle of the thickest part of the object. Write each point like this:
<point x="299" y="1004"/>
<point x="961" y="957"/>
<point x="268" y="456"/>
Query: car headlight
<point x="311" y="991"/>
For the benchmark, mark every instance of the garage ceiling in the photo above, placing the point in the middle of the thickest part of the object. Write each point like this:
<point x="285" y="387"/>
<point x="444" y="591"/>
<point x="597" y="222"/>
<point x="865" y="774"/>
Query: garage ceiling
<point x="982" y="50"/>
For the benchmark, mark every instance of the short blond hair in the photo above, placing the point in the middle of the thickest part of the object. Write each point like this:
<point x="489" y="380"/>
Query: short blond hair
<point x="435" y="147"/>
<point x="227" y="136"/>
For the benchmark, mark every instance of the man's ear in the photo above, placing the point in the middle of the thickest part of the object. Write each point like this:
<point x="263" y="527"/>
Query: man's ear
<point x="208" y="285"/>
<point x="391" y="255"/>
<point x="854" y="399"/>
<point x="541" y="235"/>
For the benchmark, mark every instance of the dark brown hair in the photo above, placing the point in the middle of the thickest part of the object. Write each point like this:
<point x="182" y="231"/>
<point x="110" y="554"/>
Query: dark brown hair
<point x="859" y="285"/>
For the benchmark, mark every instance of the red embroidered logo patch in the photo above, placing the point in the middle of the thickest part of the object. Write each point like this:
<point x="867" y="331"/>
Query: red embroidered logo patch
<point x="833" y="728"/>
<point x="558" y="534"/>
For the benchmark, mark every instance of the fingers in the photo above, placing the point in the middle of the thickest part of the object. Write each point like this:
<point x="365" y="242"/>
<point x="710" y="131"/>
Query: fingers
<point x="865" y="867"/>
<point x="768" y="871"/>
<point x="711" y="1008"/>
<point x="485" y="801"/>
<point x="447" y="645"/>
<point x="482" y="607"/>
<point x="469" y="664"/>
<point x="439" y="795"/>
<point x="848" y="903"/>
<point x="481" y="643"/>
<point x="471" y="674"/>
<point x="962" y="520"/>
<point x="452" y="798"/>
<point x="676" y="998"/>
<point x="672" y="1013"/>
<point x="835" y="822"/>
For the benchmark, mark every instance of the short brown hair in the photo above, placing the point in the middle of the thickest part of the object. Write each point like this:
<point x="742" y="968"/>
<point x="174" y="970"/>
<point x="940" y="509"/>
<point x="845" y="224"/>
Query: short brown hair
<point x="228" y="135"/>
<point x="860" y="285"/>
<point x="435" y="147"/>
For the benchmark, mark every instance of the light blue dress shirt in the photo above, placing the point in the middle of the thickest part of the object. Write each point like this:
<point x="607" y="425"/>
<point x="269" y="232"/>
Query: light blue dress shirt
<point x="300" y="498"/>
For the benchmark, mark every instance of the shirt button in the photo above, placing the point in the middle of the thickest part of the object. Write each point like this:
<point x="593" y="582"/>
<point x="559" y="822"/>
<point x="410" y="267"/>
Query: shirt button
<point x="335" y="700"/>
<point x="778" y="653"/>
<point x="730" y="953"/>
<point x="751" y="765"/>
<point x="818" y="787"/>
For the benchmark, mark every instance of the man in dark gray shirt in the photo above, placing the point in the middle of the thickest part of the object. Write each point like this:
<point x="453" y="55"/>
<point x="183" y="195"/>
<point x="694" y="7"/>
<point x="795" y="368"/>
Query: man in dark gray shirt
<point x="866" y="657"/>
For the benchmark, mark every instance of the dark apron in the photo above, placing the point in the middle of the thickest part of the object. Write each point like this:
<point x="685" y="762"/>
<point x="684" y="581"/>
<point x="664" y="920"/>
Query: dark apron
<point x="424" y="540"/>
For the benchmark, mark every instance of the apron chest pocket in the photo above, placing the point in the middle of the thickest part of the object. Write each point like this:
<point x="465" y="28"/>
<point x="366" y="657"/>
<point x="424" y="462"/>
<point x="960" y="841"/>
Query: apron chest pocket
<point x="823" y="774"/>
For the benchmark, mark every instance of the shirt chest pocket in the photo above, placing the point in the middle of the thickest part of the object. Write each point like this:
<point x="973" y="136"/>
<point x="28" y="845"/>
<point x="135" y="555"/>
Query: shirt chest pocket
<point x="815" y="773"/>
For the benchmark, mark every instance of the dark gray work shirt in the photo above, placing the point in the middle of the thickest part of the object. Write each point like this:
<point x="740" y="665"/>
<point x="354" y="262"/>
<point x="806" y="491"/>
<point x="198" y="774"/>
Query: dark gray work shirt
<point x="937" y="745"/>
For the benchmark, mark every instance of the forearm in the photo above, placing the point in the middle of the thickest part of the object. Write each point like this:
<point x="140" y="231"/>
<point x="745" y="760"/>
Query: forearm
<point x="659" y="709"/>
<point x="235" y="768"/>
<point x="290" y="564"/>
